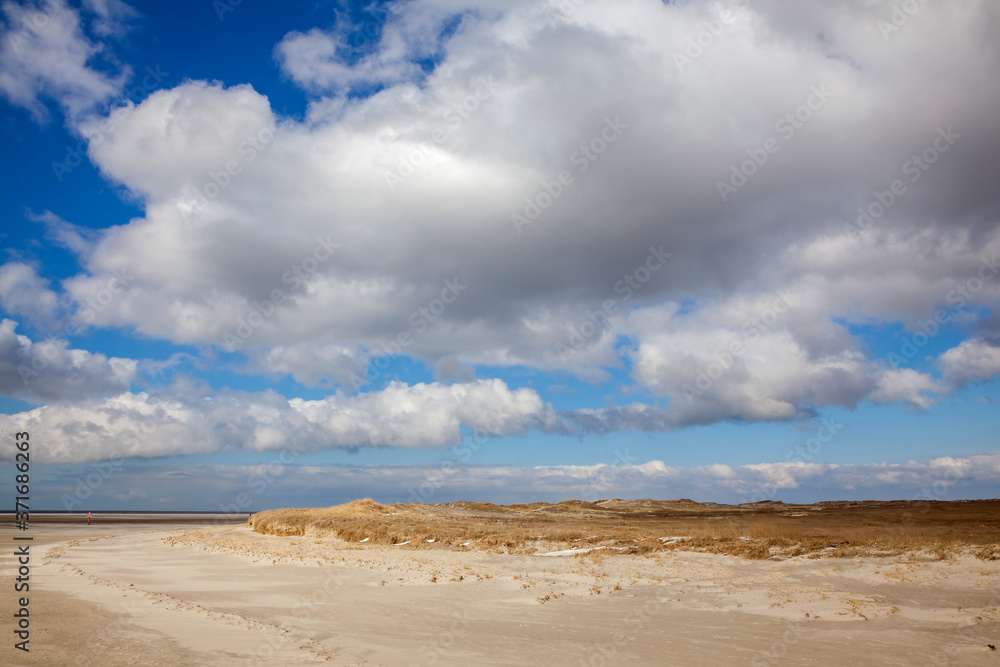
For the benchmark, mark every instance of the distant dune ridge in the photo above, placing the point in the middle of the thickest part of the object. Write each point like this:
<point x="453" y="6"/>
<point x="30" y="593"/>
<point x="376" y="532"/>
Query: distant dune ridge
<point x="767" y="529"/>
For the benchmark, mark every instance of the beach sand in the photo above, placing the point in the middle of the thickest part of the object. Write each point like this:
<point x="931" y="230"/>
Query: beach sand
<point x="189" y="595"/>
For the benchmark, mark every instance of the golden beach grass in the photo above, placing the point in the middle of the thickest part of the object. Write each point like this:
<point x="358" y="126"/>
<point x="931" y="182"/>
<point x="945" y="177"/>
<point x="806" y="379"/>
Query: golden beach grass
<point x="758" y="530"/>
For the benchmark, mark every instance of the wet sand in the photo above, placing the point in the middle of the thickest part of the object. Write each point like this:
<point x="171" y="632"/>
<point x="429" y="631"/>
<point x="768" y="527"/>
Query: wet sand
<point x="118" y="594"/>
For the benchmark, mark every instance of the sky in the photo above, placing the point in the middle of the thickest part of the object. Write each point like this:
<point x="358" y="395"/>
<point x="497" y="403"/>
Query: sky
<point x="258" y="255"/>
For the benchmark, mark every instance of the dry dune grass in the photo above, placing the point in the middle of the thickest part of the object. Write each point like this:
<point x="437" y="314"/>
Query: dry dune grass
<point x="759" y="530"/>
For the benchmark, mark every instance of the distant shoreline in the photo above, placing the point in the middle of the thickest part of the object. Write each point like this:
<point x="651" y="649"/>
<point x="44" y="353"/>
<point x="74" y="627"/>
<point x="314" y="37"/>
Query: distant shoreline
<point x="59" y="516"/>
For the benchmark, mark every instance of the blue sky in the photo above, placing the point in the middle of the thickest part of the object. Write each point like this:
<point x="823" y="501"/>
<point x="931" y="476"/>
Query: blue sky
<point x="599" y="249"/>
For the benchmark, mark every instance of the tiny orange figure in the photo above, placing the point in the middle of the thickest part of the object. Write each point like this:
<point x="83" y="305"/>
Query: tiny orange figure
<point x="88" y="518"/>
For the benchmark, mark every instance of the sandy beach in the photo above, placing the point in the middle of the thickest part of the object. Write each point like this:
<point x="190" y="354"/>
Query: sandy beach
<point x="190" y="595"/>
<point x="555" y="333"/>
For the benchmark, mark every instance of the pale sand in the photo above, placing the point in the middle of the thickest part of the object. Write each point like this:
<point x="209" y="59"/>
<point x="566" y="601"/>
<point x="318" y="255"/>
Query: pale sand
<point x="227" y="596"/>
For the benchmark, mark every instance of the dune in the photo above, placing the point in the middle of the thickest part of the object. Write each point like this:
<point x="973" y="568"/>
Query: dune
<point x="610" y="582"/>
<point x="757" y="530"/>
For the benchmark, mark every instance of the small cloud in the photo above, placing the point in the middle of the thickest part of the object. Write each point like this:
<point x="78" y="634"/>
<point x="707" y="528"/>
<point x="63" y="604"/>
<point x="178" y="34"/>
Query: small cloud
<point x="44" y="53"/>
<point x="975" y="360"/>
<point x="78" y="240"/>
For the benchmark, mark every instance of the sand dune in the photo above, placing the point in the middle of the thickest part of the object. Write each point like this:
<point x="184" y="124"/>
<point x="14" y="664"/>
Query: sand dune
<point x="227" y="595"/>
<point x="757" y="530"/>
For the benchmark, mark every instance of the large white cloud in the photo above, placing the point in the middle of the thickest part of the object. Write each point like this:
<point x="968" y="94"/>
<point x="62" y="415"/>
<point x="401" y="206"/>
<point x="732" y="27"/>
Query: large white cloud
<point x="51" y="370"/>
<point x="147" y="425"/>
<point x="383" y="224"/>
<point x="755" y="357"/>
